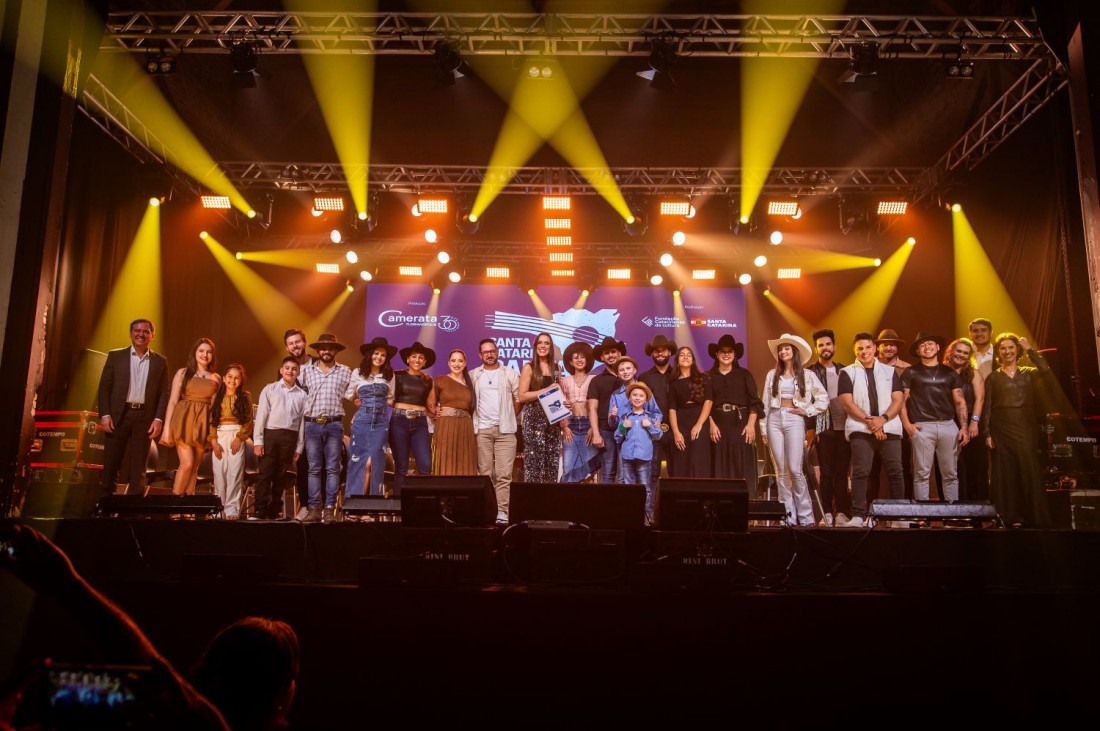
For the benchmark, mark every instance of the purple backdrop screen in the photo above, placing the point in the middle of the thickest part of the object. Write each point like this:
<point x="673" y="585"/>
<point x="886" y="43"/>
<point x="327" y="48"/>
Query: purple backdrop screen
<point x="464" y="314"/>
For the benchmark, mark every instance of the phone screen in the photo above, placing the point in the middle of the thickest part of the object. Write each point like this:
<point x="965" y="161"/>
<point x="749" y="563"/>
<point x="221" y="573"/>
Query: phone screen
<point x="94" y="696"/>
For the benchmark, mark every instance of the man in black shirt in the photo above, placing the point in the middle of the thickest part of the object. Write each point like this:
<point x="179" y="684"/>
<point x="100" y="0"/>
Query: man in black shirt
<point x="661" y="350"/>
<point x="934" y="416"/>
<point x="599" y="394"/>
<point x="833" y="452"/>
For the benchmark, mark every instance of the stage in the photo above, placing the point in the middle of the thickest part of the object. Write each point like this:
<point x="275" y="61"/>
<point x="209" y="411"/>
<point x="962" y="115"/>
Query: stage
<point x="775" y="625"/>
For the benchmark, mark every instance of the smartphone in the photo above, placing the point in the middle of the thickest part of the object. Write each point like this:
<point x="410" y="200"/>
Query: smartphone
<point x="80" y="696"/>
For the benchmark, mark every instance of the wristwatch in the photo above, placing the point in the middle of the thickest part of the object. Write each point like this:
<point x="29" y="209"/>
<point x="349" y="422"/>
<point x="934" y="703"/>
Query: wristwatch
<point x="975" y="418"/>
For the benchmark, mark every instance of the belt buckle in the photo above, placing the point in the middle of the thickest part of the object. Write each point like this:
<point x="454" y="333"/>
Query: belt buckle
<point x="321" y="420"/>
<point x="664" y="427"/>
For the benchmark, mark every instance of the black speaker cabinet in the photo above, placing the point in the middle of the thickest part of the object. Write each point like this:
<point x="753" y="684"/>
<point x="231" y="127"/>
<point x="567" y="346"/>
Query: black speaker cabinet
<point x="460" y="501"/>
<point x="158" y="505"/>
<point x="702" y="504"/>
<point x="602" y="507"/>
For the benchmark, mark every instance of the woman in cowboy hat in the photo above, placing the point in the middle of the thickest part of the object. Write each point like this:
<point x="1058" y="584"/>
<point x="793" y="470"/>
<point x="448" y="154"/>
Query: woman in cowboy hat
<point x="541" y="439"/>
<point x="790" y="395"/>
<point x="453" y="402"/>
<point x="409" y="423"/>
<point x="579" y="458"/>
<point x="371" y="386"/>
<point x="690" y="398"/>
<point x="735" y="412"/>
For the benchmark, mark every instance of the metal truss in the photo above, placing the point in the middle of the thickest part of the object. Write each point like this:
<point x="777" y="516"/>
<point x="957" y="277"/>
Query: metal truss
<point x="648" y="181"/>
<point x="1043" y="79"/>
<point x="576" y="34"/>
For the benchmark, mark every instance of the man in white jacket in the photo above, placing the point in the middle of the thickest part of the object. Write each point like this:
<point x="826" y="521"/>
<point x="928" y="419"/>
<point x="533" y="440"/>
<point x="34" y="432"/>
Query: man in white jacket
<point x="872" y="395"/>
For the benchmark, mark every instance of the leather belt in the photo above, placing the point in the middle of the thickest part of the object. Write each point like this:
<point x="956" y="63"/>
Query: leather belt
<point x="448" y="411"/>
<point x="323" y="419"/>
<point x="134" y="406"/>
<point x="410" y="413"/>
<point x="729" y="407"/>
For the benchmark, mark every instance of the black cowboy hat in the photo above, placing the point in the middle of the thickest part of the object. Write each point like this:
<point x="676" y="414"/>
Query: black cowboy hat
<point x="573" y="348"/>
<point x="921" y="337"/>
<point x="726" y="341"/>
<point x="608" y="343"/>
<point x="417" y="347"/>
<point x="660" y="341"/>
<point x="368" y="348"/>
<point x="327" y="340"/>
<point x="889" y="336"/>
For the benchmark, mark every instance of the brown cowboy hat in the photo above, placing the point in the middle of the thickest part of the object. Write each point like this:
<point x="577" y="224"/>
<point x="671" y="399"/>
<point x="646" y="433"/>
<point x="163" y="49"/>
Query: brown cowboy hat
<point x="921" y="337"/>
<point x="889" y="336"/>
<point x="625" y="359"/>
<point x="660" y="341"/>
<point x="327" y="340"/>
<point x="418" y="347"/>
<point x="726" y="341"/>
<point x="608" y="343"/>
<point x="572" y="349"/>
<point x="368" y="348"/>
<point x="641" y="385"/>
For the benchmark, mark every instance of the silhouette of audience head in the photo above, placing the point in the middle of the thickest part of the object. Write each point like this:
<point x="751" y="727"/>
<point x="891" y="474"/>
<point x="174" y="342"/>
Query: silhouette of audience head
<point x="249" y="671"/>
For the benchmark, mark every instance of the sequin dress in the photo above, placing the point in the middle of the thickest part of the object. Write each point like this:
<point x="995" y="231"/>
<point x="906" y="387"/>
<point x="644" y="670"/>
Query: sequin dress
<point x="541" y="439"/>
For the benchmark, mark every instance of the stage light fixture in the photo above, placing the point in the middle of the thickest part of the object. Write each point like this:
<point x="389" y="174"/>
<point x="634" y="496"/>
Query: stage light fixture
<point x="154" y="202"/>
<point x="679" y="238"/>
<point x="666" y="260"/>
<point x="562" y="274"/>
<point x="892" y="208"/>
<point x="316" y="213"/>
<point x="776" y="238"/>
<point x="239" y="256"/>
<point x="955" y="207"/>
<point x="365" y="275"/>
<point x="436" y="290"/>
<point x="637" y="224"/>
<point x="556" y="203"/>
<point x="448" y="65"/>
<point x="760" y="260"/>
<point x="366" y="221"/>
<point x="220" y="202"/>
<point x="959" y="68"/>
<point x="328" y="203"/>
<point x="559" y="240"/>
<point x="410" y="271"/>
<point x="662" y="57"/>
<point x="431" y="236"/>
<point x="911" y="241"/>
<point x="455" y="277"/>
<point x="466" y="221"/>
<point x="878" y="262"/>
<point x="862" y="71"/>
<point x="352" y="257"/>
<point x="349" y="286"/>
<point x="656" y="280"/>
<point x="703" y="274"/>
<point x="328" y="268"/>
<point x="745" y="279"/>
<point x="203" y="235"/>
<point x="443" y="257"/>
<point x="782" y="208"/>
<point x="559" y="224"/>
<point x="561" y="257"/>
<point x="245" y="59"/>
<point x="336" y="236"/>
<point x="432" y="204"/>
<point x="618" y="273"/>
<point x="415" y="210"/>
<point x="498" y="273"/>
<point x="676" y="207"/>
<point x="789" y="273"/>
<point x="159" y="63"/>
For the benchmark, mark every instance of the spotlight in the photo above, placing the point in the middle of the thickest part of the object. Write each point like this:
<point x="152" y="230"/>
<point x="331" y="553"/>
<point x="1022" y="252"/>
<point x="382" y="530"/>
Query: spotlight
<point x="618" y="273"/>
<point x="679" y="238"/>
<point x="245" y="59"/>
<point x="959" y="68"/>
<point x="656" y="280"/>
<point x="316" y="213"/>
<point x="431" y="236"/>
<point x="662" y="57"/>
<point x="892" y="208"/>
<point x="410" y="271"/>
<point x="878" y="262"/>
<point x="154" y="202"/>
<point x="159" y="63"/>
<point x="466" y="221"/>
<point x="556" y="202"/>
<point x="789" y="273"/>
<point x="443" y="257"/>
<point x="862" y="71"/>
<point x="703" y="274"/>
<point x="639" y="225"/>
<point x="498" y="272"/>
<point x="760" y="260"/>
<point x="326" y="268"/>
<point x="349" y="286"/>
<point x="676" y="207"/>
<point x="955" y="207"/>
<point x="431" y="204"/>
<point x="220" y="202"/>
<point x="776" y="238"/>
<point x="745" y="279"/>
<point x="448" y="65"/>
<point x="455" y="277"/>
<point x="367" y="220"/>
<point x="324" y="203"/>
<point x="782" y="208"/>
<point x="336" y="236"/>
<point x="666" y="260"/>
<point x="365" y="275"/>
<point x="352" y="257"/>
<point x="911" y="241"/>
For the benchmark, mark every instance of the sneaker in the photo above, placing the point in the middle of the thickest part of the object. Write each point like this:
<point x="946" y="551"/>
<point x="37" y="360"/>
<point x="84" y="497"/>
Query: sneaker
<point x="328" y="516"/>
<point x="254" y="516"/>
<point x="841" y="520"/>
<point x="502" y="518"/>
<point x="856" y="522"/>
<point x="302" y="513"/>
<point x="826" y="521"/>
<point x="901" y="524"/>
<point x="313" y="515"/>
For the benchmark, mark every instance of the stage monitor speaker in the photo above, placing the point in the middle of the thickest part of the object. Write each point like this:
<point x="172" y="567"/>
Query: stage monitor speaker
<point x="372" y="505"/>
<point x="600" y="507"/>
<point x="977" y="511"/>
<point x="158" y="505"/>
<point x="706" y="504"/>
<point x="228" y="567"/>
<point x="456" y="501"/>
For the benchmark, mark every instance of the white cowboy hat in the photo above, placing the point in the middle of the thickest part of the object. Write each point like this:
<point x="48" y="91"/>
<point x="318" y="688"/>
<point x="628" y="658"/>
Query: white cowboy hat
<point x="794" y="341"/>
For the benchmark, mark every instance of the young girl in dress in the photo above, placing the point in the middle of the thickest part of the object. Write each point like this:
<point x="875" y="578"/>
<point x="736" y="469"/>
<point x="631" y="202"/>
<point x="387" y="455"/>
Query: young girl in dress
<point x="231" y="427"/>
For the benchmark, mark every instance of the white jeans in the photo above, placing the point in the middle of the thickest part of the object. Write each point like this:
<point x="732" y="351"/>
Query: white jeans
<point x="786" y="437"/>
<point x="229" y="471"/>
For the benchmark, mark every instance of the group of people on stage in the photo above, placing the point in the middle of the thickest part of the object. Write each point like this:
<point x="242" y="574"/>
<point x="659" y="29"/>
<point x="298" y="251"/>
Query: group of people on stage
<point x="949" y="410"/>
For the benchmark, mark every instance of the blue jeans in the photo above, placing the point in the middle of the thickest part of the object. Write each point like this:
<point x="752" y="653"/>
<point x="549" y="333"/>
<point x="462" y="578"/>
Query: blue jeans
<point x="609" y="456"/>
<point x="577" y="455"/>
<point x="323" y="453"/>
<point x="369" y="432"/>
<point x="634" y="472"/>
<point x="409" y="435"/>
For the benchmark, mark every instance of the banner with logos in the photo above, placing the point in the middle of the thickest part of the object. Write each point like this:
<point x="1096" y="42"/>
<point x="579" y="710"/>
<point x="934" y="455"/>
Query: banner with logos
<point x="464" y="314"/>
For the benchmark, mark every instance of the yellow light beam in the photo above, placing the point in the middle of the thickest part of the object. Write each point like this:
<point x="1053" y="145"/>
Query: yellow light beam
<point x="979" y="291"/>
<point x="540" y="307"/>
<point x="798" y="324"/>
<point x="815" y="261"/>
<point x="304" y="259"/>
<point x="137" y="288"/>
<point x="122" y="75"/>
<point x="771" y="92"/>
<point x="344" y="87"/>
<point x="863" y="308"/>
<point x="318" y="324"/>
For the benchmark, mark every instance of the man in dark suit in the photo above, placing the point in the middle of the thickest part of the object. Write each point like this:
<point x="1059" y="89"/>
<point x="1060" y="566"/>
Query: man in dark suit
<point x="133" y="396"/>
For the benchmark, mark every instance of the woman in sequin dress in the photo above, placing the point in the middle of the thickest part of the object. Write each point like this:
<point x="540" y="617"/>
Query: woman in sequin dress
<point x="541" y="439"/>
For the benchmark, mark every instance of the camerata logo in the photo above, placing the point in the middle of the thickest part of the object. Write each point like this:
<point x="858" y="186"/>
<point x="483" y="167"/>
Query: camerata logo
<point x="396" y="318"/>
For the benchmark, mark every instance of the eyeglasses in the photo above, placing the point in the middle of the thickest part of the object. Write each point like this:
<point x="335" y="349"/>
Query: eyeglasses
<point x="488" y="352"/>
